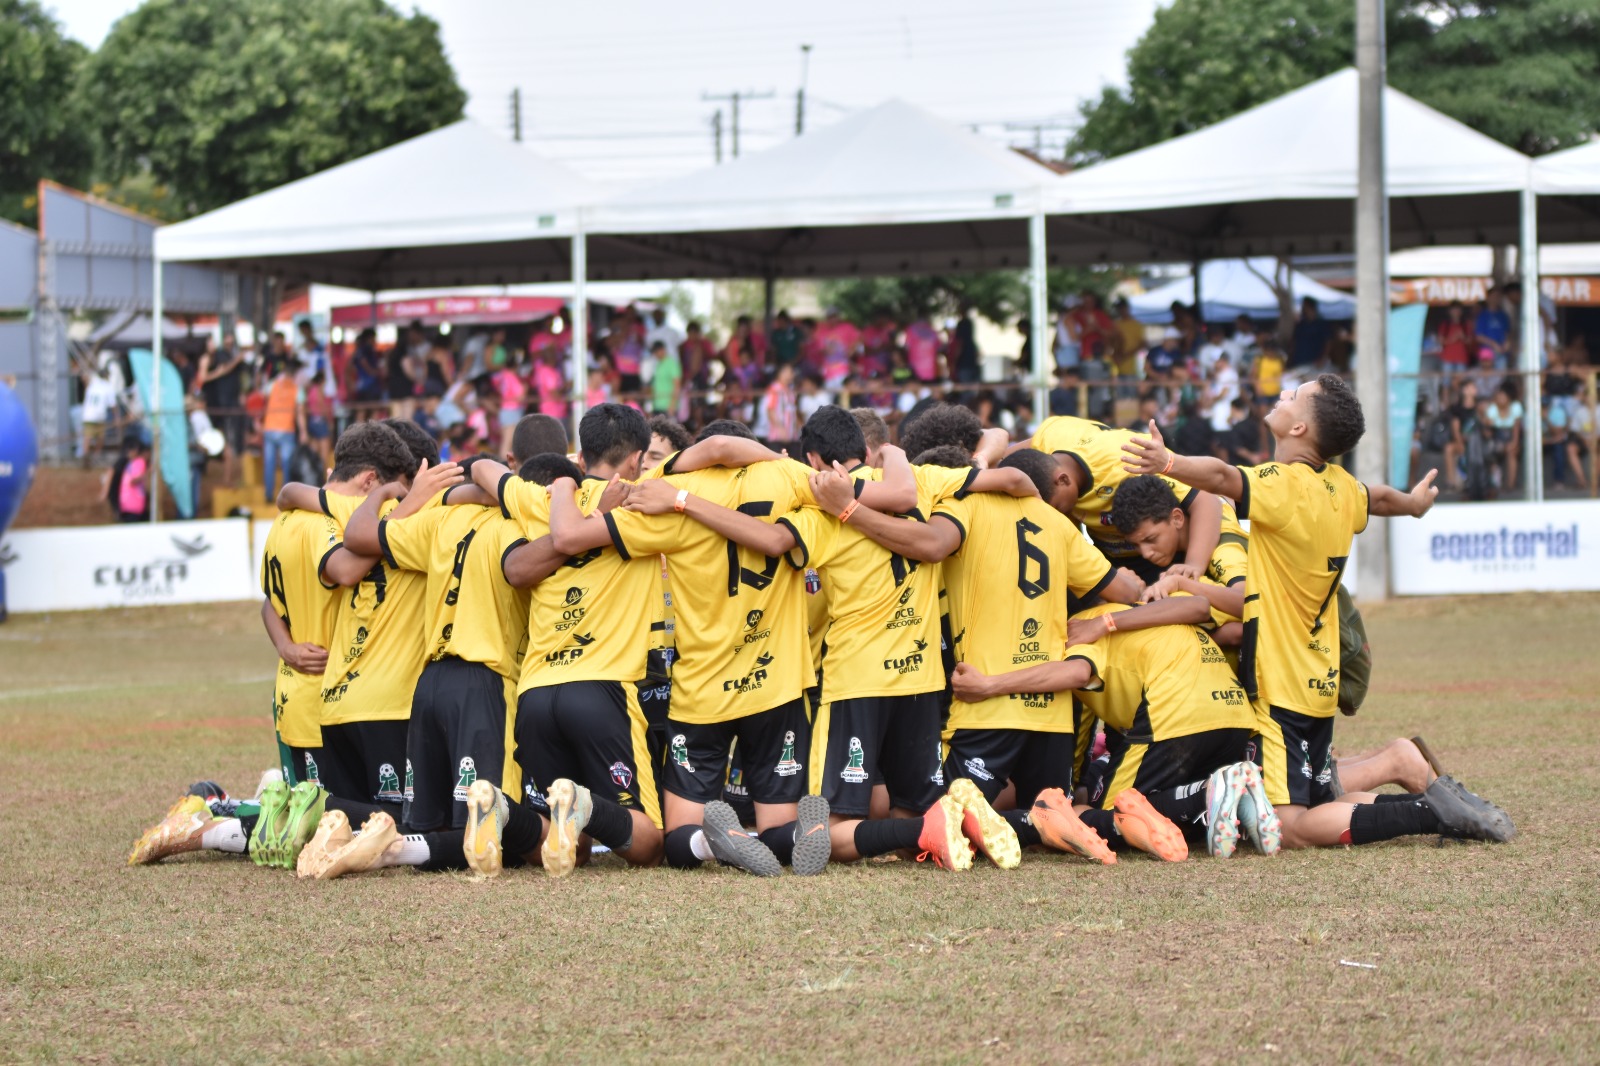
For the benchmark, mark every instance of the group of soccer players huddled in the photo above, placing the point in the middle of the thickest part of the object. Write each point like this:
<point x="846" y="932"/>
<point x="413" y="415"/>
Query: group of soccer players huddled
<point x="708" y="651"/>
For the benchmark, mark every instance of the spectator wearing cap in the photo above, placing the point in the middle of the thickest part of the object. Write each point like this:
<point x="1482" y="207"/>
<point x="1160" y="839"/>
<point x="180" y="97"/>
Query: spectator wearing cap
<point x="1164" y="357"/>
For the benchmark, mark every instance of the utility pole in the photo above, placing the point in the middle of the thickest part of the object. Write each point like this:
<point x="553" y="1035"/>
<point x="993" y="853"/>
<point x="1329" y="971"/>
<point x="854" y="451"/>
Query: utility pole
<point x="800" y="94"/>
<point x="734" y="98"/>
<point x="716" y="135"/>
<point x="1372" y="290"/>
<point x="516" y="115"/>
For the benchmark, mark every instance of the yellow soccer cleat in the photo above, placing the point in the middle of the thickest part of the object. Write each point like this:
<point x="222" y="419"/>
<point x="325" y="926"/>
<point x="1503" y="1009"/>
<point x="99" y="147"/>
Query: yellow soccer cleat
<point x="333" y="833"/>
<point x="487" y="811"/>
<point x="178" y="832"/>
<point x="367" y="850"/>
<point x="983" y="826"/>
<point x="570" y="806"/>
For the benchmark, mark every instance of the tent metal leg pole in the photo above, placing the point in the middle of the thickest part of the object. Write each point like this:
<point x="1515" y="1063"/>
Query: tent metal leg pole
<point x="157" y="343"/>
<point x="580" y="329"/>
<point x="1199" y="312"/>
<point x="769" y="293"/>
<point x="1532" y="343"/>
<point x="1037" y="314"/>
<point x="1372" y="291"/>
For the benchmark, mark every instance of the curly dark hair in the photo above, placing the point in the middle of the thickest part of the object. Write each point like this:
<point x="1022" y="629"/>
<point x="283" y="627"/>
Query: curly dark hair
<point x="670" y="430"/>
<point x="422" y="445"/>
<point x="1140" y="499"/>
<point x="873" y="427"/>
<point x="1337" y="420"/>
<point x="944" y="423"/>
<point x="951" y="455"/>
<point x="545" y="468"/>
<point x="725" y="427"/>
<point x="371" y="446"/>
<point x="834" y="435"/>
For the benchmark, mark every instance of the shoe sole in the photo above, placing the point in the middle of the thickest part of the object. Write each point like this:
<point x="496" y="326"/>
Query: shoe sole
<point x="813" y="847"/>
<point x="482" y="842"/>
<point x="1222" y="813"/>
<point x="1165" y="839"/>
<point x="730" y="844"/>
<point x="1265" y="830"/>
<point x="377" y="836"/>
<point x="333" y="832"/>
<point x="990" y="833"/>
<point x="954" y="851"/>
<point x="560" y="848"/>
<point x="269" y="828"/>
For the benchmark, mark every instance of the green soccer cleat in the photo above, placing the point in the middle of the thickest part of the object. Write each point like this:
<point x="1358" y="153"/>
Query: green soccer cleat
<point x="271" y="823"/>
<point x="306" y="803"/>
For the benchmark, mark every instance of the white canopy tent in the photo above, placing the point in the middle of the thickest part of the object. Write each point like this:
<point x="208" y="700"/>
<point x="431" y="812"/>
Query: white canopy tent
<point x="1234" y="287"/>
<point x="1572" y="172"/>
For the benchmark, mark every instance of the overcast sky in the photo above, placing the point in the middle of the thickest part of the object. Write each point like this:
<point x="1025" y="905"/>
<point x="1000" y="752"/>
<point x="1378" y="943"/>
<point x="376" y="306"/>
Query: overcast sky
<point x="615" y="88"/>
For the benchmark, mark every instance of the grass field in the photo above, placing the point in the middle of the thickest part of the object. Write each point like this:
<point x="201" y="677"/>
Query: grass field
<point x="1481" y="953"/>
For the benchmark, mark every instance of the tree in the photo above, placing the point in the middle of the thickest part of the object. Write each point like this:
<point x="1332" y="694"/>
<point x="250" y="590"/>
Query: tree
<point x="998" y="295"/>
<point x="219" y="100"/>
<point x="1526" y="72"/>
<point x="40" y="136"/>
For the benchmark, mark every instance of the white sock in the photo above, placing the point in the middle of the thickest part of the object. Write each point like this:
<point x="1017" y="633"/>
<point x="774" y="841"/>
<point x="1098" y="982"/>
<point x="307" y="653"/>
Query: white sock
<point x="698" y="845"/>
<point x="226" y="835"/>
<point x="414" y="851"/>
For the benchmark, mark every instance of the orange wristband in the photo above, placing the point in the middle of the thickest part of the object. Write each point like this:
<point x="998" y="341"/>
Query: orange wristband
<point x="1171" y="458"/>
<point x="1111" y="622"/>
<point x="844" y="515"/>
<point x="681" y="501"/>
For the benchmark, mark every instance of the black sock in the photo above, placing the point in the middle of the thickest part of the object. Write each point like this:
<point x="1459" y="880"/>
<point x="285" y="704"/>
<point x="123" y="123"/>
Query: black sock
<point x="1027" y="835"/>
<point x="679" y="854"/>
<point x="1186" y="806"/>
<point x="356" y="811"/>
<point x="1104" y="823"/>
<point x="248" y="825"/>
<point x="883" y="835"/>
<point x="1372" y="822"/>
<point x="1396" y="797"/>
<point x="610" y="824"/>
<point x="444" y="851"/>
<point x="780" y="840"/>
<point x="521" y="833"/>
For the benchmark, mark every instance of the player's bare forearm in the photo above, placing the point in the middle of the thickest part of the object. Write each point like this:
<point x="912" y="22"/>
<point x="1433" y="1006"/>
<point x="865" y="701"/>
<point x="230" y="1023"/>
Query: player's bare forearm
<point x="570" y="530"/>
<point x="486" y="474"/>
<point x="1205" y="529"/>
<point x="277" y="631"/>
<point x="1125" y="587"/>
<point x="471" y="495"/>
<point x="926" y="542"/>
<point x="361" y="532"/>
<point x="1208" y="475"/>
<point x="992" y="448"/>
<point x="1009" y="480"/>
<point x="1388" y="502"/>
<point x="970" y="687"/>
<point x="346" y="568"/>
<point x="896" y="492"/>
<point x="722" y="450"/>
<point x="298" y="496"/>
<point x="1174" y="610"/>
<point x="528" y="564"/>
<point x="1229" y="634"/>
<point x="770" y="539"/>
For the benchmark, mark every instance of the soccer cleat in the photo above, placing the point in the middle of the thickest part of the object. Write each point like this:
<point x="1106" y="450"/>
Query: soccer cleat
<point x="271" y="823"/>
<point x="1147" y="828"/>
<point x="1257" y="817"/>
<point x="733" y="846"/>
<point x="487" y="811"/>
<point x="209" y="791"/>
<point x="1060" y="828"/>
<point x="983" y="826"/>
<point x="942" y="839"/>
<point x="177" y="832"/>
<point x="1465" y="814"/>
<point x="812" y="844"/>
<point x="267" y="778"/>
<point x="1223" y="792"/>
<point x="333" y="833"/>
<point x="570" y="806"/>
<point x="306" y="803"/>
<point x="365" y="851"/>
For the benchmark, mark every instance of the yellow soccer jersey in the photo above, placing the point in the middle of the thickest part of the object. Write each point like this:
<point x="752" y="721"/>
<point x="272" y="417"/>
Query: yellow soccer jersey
<point x="818" y="616"/>
<point x="592" y="618"/>
<point x="883" y="637"/>
<point x="296" y="546"/>
<point x="471" y="613"/>
<point x="1098" y="450"/>
<point x="741" y="618"/>
<point x="1008" y="585"/>
<point x="1230" y="561"/>
<point x="380" y="642"/>
<point x="1162" y="682"/>
<point x="1302" y="520"/>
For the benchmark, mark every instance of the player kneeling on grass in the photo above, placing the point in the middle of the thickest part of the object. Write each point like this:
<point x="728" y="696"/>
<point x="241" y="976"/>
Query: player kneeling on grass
<point x="1304" y="513"/>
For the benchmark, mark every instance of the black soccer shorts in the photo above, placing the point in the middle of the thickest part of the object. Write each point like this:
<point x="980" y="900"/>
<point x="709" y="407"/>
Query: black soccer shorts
<point x="1296" y="758"/>
<point x="1160" y="765"/>
<point x="458" y="735"/>
<point x="364" y="760"/>
<point x="893" y="741"/>
<point x="1032" y="760"/>
<point x="772" y="746"/>
<point x="593" y="733"/>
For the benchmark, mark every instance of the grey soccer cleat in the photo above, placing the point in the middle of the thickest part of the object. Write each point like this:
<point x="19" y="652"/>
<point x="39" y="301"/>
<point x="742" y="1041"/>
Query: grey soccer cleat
<point x="812" y="844"/>
<point x="1465" y="814"/>
<point x="733" y="846"/>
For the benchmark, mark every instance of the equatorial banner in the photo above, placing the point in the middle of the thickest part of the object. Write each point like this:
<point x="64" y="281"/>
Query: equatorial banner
<point x="1497" y="547"/>
<point x="131" y="565"/>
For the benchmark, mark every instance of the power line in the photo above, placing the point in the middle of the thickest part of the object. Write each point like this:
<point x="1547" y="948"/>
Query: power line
<point x="734" y="97"/>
